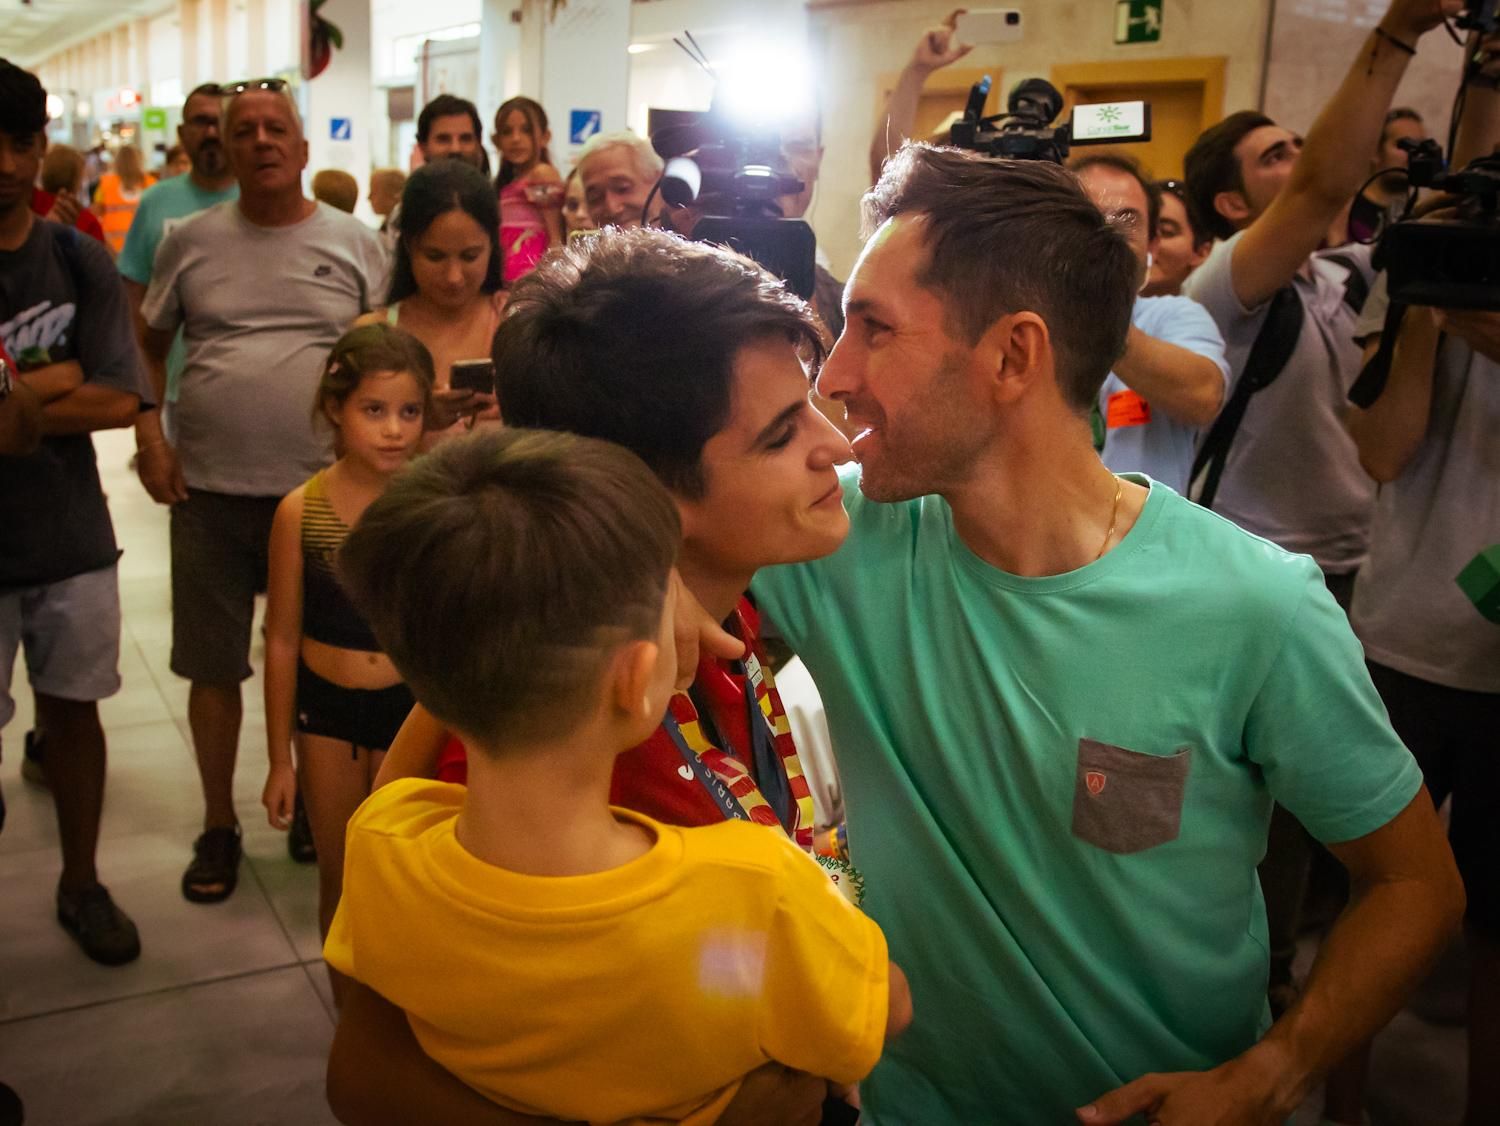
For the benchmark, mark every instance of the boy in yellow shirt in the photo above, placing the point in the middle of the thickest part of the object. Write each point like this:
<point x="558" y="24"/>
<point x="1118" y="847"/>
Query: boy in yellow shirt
<point x="562" y="957"/>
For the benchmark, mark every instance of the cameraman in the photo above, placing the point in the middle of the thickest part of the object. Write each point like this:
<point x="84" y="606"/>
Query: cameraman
<point x="1384" y="195"/>
<point x="1430" y="440"/>
<point x="1170" y="381"/>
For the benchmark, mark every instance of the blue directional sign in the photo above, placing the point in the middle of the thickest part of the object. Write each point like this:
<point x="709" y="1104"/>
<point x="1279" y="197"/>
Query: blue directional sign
<point x="341" y="128"/>
<point x="583" y="124"/>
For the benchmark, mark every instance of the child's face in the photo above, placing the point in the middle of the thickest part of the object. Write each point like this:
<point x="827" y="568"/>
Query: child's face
<point x="515" y="140"/>
<point x="380" y="423"/>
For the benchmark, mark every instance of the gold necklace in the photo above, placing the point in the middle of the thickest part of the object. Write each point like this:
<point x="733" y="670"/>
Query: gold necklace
<point x="1114" y="515"/>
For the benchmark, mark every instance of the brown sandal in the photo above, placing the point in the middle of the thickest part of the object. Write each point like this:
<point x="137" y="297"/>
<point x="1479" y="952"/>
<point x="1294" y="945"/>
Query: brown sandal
<point x="215" y="869"/>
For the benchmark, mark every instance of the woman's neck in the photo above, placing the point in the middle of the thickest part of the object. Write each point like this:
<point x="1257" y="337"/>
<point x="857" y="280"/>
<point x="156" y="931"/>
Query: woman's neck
<point x="443" y="314"/>
<point x="717" y="590"/>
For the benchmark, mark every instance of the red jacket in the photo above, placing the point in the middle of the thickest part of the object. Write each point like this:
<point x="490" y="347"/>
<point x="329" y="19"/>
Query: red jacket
<point x="87" y="221"/>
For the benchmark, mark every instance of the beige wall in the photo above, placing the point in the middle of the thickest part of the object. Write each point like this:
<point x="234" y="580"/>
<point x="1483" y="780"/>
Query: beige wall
<point x="856" y="43"/>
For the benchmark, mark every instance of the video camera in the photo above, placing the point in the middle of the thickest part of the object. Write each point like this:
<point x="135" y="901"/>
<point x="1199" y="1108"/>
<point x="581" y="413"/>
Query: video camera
<point x="734" y="173"/>
<point x="1026" y="130"/>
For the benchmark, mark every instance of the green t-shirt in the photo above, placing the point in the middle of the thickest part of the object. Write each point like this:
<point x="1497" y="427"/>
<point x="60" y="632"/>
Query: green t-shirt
<point x="162" y="207"/>
<point x="1058" y="790"/>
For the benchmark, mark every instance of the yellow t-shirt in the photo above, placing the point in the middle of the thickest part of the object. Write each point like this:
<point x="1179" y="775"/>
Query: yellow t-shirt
<point x="647" y="991"/>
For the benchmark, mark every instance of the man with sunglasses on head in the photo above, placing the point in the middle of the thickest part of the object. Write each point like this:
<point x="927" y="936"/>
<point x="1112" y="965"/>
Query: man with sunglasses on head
<point x="1182" y="245"/>
<point x="261" y="288"/>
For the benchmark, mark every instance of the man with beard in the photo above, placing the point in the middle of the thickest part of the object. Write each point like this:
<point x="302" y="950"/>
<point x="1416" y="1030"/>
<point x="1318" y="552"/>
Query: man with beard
<point x="448" y="128"/>
<point x="168" y="204"/>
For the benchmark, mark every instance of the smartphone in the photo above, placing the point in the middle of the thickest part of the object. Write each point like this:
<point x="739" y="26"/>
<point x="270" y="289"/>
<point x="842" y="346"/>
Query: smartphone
<point x="473" y="375"/>
<point x="988" y="25"/>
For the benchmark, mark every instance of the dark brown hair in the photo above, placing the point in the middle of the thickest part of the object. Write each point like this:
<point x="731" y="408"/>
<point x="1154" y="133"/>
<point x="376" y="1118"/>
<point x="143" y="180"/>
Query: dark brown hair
<point x="1010" y="235"/>
<point x="501" y="570"/>
<point x="536" y="117"/>
<point x="1211" y="167"/>
<point x="632" y="336"/>
<point x="367" y="349"/>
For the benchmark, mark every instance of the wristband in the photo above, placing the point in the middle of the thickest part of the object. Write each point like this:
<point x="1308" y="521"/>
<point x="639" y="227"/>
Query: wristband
<point x="1393" y="41"/>
<point x="5" y="380"/>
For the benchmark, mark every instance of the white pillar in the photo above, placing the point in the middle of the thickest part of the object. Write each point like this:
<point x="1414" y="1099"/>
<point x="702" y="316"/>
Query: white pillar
<point x="255" y="48"/>
<point x="187" y="35"/>
<point x="585" y="70"/>
<point x="216" y="12"/>
<point x="499" y="56"/>
<point x="345" y="91"/>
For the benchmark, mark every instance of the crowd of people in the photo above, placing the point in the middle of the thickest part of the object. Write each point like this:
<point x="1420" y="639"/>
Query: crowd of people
<point x="1127" y="623"/>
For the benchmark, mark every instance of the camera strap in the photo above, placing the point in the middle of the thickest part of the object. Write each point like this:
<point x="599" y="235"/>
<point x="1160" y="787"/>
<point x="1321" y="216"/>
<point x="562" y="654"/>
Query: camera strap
<point x="1372" y="377"/>
<point x="1269" y="354"/>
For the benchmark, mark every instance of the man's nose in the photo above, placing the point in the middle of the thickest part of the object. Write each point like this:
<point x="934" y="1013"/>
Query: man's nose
<point x="836" y="377"/>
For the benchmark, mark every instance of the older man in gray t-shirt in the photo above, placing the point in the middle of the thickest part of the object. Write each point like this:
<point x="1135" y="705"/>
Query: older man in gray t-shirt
<point x="262" y="287"/>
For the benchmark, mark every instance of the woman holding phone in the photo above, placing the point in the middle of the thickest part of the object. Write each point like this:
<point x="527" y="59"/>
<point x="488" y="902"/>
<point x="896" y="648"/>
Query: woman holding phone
<point x="446" y="285"/>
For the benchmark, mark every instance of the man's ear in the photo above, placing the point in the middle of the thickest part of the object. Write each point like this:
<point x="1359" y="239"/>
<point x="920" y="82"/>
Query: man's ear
<point x="631" y="674"/>
<point x="1232" y="206"/>
<point x="1200" y="253"/>
<point x="1016" y="349"/>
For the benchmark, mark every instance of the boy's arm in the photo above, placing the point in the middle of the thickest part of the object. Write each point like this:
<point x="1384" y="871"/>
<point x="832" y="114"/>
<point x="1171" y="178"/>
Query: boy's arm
<point x="20" y="421"/>
<point x="414" y="751"/>
<point x="378" y="1075"/>
<point x="1389" y="432"/>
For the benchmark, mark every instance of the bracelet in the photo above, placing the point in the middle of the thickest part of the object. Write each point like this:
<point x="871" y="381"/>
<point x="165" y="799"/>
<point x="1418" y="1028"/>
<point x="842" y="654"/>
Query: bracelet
<point x="1393" y="41"/>
<point x="140" y="448"/>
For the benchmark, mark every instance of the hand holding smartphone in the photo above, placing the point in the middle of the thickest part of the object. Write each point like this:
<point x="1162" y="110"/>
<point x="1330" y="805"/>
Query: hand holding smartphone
<point x="477" y="376"/>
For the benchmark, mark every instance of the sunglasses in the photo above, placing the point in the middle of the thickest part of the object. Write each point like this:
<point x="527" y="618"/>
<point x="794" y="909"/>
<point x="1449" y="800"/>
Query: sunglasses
<point x="248" y="85"/>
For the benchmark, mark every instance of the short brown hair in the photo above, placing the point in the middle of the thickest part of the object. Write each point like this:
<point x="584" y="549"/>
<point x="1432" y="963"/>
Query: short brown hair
<point x="1011" y="235"/>
<point x="62" y="169"/>
<point x="1130" y="166"/>
<point x="366" y="349"/>
<point x="337" y="189"/>
<point x="632" y="336"/>
<point x="500" y="571"/>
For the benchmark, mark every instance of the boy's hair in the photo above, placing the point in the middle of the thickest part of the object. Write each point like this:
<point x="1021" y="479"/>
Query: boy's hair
<point x="502" y="570"/>
<point x="23" y="102"/>
<point x="366" y="349"/>
<point x="62" y="169"/>
<point x="337" y="189"/>
<point x="1131" y="167"/>
<point x="1010" y="235"/>
<point x="632" y="336"/>
<point x="1211" y="167"/>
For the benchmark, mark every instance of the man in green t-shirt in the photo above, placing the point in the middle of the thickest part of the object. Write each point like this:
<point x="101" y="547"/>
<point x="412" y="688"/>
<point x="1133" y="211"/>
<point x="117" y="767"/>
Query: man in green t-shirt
<point x="170" y="202"/>
<point x="1064" y="702"/>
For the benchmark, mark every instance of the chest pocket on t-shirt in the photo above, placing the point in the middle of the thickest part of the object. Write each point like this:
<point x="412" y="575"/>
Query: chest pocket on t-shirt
<point x="1125" y="801"/>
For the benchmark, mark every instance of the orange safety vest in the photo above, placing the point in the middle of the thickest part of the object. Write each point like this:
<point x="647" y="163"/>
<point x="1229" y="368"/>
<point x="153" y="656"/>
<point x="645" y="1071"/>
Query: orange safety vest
<point x="119" y="209"/>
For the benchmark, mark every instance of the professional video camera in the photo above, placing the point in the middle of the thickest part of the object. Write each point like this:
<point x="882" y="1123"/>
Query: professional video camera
<point x="729" y="166"/>
<point x="733" y="175"/>
<point x="1452" y="261"/>
<point x="1025" y="131"/>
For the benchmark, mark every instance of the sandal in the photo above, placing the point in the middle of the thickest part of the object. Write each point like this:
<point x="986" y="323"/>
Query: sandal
<point x="215" y="869"/>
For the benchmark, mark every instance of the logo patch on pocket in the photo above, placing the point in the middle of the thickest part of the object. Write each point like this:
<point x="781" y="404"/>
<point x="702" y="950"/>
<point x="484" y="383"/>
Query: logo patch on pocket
<point x="1095" y="781"/>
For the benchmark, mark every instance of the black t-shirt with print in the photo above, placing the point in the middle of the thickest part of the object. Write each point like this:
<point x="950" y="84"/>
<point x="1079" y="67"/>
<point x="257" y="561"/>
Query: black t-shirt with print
<point x="61" y="299"/>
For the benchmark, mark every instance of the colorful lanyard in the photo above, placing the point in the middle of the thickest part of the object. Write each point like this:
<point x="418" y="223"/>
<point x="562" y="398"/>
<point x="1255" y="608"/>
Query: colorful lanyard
<point x="770" y="770"/>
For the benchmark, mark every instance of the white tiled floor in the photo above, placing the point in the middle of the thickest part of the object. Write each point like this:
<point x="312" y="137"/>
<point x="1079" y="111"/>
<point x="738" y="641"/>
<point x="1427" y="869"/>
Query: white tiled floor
<point x="226" y="1018"/>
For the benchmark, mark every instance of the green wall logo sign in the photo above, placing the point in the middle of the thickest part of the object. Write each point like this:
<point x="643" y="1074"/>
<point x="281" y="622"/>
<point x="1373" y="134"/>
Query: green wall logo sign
<point x="154" y="117"/>
<point x="1137" y="21"/>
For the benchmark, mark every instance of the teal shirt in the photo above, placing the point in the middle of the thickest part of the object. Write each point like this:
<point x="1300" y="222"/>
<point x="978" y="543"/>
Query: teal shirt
<point x="1058" y="790"/>
<point x="162" y="207"/>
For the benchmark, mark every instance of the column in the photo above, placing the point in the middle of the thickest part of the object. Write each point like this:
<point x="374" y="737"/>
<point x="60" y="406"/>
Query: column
<point x="255" y="47"/>
<point x="499" y="57"/>
<point x="585" y="73"/>
<point x="341" y="102"/>
<point x="187" y="33"/>
<point x="216" y="13"/>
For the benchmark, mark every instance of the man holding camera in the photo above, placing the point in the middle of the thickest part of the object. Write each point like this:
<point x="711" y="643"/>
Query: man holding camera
<point x="1425" y="606"/>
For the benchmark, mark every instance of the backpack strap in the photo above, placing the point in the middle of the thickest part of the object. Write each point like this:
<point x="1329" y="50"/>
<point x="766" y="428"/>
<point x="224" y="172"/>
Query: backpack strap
<point x="1357" y="284"/>
<point x="1269" y="354"/>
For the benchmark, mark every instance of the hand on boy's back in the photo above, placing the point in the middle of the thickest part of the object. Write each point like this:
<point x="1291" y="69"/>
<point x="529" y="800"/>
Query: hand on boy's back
<point x="696" y="632"/>
<point x="777" y="1094"/>
<point x="65" y="208"/>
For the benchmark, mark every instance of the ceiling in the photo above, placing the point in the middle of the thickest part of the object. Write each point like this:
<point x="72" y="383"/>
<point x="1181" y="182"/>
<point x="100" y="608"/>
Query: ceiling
<point x="31" y="32"/>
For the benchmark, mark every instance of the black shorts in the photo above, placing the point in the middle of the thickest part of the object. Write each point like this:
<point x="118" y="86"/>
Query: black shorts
<point x="1452" y="735"/>
<point x="367" y="719"/>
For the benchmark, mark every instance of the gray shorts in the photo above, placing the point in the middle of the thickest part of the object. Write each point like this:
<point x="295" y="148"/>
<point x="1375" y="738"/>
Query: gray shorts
<point x="70" y="632"/>
<point x="219" y="555"/>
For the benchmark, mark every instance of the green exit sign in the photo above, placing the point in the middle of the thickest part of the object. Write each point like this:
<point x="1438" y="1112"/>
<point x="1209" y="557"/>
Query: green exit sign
<point x="154" y="117"/>
<point x="1137" y="21"/>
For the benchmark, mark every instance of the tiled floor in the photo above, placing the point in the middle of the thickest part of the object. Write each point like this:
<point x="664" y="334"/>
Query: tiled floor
<point x="226" y="1017"/>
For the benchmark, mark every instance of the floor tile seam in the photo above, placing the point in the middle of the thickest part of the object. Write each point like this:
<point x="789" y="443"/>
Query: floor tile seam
<point x="307" y="968"/>
<point x="6" y="1022"/>
<point x="265" y="892"/>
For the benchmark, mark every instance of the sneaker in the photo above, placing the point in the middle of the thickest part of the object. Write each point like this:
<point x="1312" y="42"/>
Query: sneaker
<point x="33" y="766"/>
<point x="299" y="839"/>
<point x="104" y="931"/>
